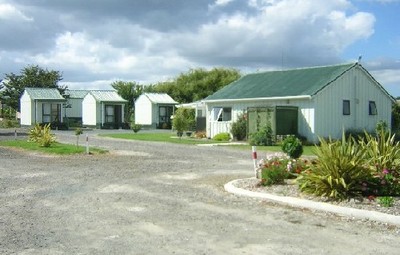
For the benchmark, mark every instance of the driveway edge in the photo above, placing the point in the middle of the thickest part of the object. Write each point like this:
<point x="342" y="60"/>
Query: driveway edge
<point x="320" y="206"/>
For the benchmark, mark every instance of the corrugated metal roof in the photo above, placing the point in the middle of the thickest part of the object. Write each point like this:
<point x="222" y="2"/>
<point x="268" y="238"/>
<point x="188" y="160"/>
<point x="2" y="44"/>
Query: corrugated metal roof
<point x="160" y="98"/>
<point x="44" y="94"/>
<point x="76" y="93"/>
<point x="107" y="96"/>
<point x="286" y="83"/>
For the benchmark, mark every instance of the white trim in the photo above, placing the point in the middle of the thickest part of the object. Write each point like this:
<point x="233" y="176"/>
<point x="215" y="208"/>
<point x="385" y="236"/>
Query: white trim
<point x="258" y="99"/>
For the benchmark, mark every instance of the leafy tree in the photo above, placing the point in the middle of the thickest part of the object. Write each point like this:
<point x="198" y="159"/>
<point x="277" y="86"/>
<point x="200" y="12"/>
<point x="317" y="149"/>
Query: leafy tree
<point x="31" y="76"/>
<point x="129" y="91"/>
<point x="196" y="84"/>
<point x="183" y="119"/>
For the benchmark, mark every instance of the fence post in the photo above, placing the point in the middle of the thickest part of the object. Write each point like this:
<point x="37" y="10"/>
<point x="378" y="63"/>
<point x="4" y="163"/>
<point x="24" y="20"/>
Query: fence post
<point x="87" y="144"/>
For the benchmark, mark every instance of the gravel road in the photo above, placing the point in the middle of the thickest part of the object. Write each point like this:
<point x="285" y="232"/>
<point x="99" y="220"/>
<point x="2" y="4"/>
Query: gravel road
<point x="159" y="198"/>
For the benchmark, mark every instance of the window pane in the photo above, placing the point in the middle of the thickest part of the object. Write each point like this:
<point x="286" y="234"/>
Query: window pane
<point x="372" y="108"/>
<point x="227" y="116"/>
<point x="163" y="111"/>
<point x="46" y="109"/>
<point x="346" y="107"/>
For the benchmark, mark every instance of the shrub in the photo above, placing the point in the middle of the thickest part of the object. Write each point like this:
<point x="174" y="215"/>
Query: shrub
<point x="382" y="152"/>
<point x="386" y="201"/>
<point x="136" y="127"/>
<point x="274" y="171"/>
<point x="222" y="137"/>
<point x="339" y="170"/>
<point x="8" y="123"/>
<point x="200" y="134"/>
<point x="239" y="128"/>
<point x="292" y="146"/>
<point x="184" y="119"/>
<point x="262" y="137"/>
<point x="78" y="132"/>
<point x="41" y="135"/>
<point x="297" y="166"/>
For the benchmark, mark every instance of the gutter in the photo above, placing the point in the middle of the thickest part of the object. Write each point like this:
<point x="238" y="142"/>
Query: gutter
<point x="258" y="99"/>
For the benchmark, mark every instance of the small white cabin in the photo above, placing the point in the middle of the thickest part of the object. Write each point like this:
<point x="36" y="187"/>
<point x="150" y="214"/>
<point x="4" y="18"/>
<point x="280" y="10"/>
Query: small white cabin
<point x="310" y="102"/>
<point x="154" y="110"/>
<point x="103" y="109"/>
<point x="41" y="105"/>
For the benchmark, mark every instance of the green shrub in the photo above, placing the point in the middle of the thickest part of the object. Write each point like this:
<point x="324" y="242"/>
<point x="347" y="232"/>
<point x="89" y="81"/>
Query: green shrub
<point x="8" y="123"/>
<point x="386" y="201"/>
<point x="239" y="128"/>
<point x="274" y="171"/>
<point x="339" y="170"/>
<point x="42" y="135"/>
<point x="222" y="137"/>
<point x="292" y="146"/>
<point x="184" y="119"/>
<point x="262" y="137"/>
<point x="136" y="127"/>
<point x="78" y="132"/>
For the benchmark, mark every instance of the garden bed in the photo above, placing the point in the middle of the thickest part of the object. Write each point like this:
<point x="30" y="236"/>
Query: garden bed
<point x="290" y="189"/>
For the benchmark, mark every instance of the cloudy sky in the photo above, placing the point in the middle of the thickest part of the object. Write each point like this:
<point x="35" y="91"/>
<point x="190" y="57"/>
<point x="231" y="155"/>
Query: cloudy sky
<point x="95" y="42"/>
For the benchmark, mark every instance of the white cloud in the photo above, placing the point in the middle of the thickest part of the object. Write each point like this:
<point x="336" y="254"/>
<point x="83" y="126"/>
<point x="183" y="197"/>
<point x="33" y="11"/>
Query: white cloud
<point x="306" y="30"/>
<point x="10" y="12"/>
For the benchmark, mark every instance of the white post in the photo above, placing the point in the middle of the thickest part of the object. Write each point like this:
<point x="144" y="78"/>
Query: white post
<point x="87" y="144"/>
<point x="254" y="156"/>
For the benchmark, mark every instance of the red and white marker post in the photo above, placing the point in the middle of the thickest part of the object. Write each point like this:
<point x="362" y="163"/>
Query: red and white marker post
<point x="254" y="156"/>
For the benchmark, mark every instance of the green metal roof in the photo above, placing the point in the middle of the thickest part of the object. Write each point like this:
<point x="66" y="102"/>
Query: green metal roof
<point x="76" y="93"/>
<point x="286" y="83"/>
<point x="44" y="94"/>
<point x="107" y="96"/>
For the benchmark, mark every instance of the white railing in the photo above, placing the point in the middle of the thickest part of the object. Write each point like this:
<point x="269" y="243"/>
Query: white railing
<point x="217" y="127"/>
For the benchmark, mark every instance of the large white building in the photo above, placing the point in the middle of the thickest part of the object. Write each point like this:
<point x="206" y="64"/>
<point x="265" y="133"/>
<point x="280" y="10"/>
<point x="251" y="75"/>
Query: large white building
<point x="311" y="102"/>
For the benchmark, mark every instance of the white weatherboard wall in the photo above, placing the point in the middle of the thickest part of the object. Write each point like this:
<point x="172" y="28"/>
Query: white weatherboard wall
<point x="27" y="115"/>
<point x="89" y="115"/>
<point x="143" y="111"/>
<point x="76" y="108"/>
<point x="306" y="114"/>
<point x="359" y="88"/>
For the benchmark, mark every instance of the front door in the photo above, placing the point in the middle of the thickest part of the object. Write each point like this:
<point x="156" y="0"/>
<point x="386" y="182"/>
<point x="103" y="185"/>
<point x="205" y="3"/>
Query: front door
<point x="165" y="113"/>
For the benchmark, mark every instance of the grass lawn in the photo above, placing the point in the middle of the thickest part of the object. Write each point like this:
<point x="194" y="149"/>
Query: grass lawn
<point x="161" y="137"/>
<point x="169" y="138"/>
<point x="55" y="148"/>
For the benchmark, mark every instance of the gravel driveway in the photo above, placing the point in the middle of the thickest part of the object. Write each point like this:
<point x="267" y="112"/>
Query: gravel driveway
<point x="158" y="198"/>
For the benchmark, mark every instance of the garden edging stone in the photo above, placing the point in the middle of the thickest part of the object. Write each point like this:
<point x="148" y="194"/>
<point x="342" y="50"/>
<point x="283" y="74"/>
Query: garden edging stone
<point x="320" y="206"/>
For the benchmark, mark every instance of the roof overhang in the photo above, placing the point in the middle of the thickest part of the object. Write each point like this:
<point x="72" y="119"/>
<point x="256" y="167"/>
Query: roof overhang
<point x="307" y="97"/>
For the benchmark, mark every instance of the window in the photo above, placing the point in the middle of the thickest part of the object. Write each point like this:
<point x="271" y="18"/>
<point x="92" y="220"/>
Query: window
<point x="346" y="107"/>
<point x="372" y="108"/>
<point x="51" y="112"/>
<point x="110" y="114"/>
<point x="222" y="114"/>
<point x="165" y="113"/>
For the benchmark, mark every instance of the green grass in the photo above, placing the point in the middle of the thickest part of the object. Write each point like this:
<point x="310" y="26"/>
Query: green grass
<point x="169" y="138"/>
<point x="161" y="137"/>
<point x="55" y="148"/>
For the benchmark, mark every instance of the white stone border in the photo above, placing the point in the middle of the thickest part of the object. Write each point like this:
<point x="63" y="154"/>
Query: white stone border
<point x="320" y="206"/>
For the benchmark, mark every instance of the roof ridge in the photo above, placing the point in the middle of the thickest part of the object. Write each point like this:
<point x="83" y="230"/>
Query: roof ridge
<point x="304" y="68"/>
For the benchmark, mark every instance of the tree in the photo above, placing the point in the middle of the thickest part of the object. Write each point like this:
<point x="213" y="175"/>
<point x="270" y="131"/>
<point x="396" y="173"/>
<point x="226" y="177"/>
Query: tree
<point x="183" y="120"/>
<point x="129" y="91"/>
<point x="196" y="84"/>
<point x="31" y="76"/>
